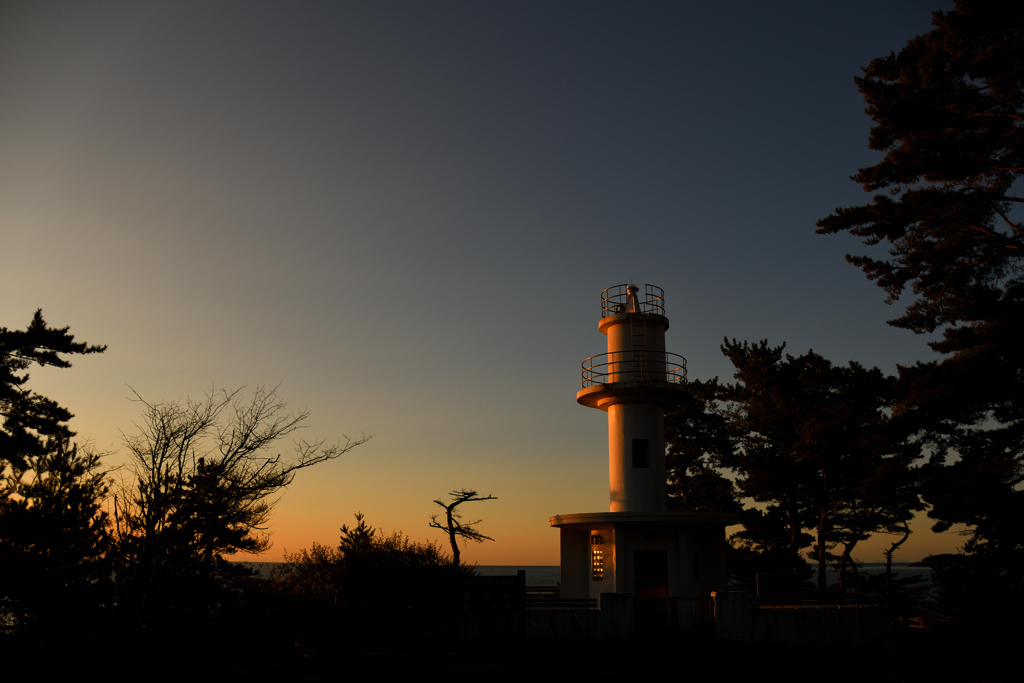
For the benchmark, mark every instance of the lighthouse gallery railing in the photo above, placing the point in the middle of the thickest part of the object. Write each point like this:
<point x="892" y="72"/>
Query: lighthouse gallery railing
<point x="633" y="366"/>
<point x="615" y="300"/>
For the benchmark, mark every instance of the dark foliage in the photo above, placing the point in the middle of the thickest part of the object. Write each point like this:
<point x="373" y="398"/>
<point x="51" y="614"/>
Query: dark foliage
<point x="948" y="112"/>
<point x="53" y="536"/>
<point x="380" y="581"/>
<point x="977" y="590"/>
<point x="30" y="424"/>
<point x="204" y="477"/>
<point x="52" y="531"/>
<point x="698" y="439"/>
<point x="816" y="445"/>
<point x="762" y="547"/>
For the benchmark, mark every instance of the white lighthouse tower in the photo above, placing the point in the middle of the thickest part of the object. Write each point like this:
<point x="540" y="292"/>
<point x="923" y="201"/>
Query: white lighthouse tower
<point x="638" y="547"/>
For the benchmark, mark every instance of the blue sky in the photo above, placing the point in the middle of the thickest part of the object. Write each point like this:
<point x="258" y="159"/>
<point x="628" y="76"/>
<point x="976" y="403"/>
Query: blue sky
<point x="404" y="214"/>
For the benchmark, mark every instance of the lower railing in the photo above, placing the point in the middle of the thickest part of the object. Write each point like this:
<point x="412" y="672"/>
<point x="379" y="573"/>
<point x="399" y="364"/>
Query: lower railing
<point x="633" y="366"/>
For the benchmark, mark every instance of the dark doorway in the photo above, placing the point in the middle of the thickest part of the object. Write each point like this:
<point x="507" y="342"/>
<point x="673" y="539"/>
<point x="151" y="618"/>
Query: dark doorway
<point x="650" y="571"/>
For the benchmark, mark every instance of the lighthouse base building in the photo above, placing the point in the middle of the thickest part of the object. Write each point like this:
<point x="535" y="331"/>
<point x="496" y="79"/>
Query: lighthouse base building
<point x="653" y="555"/>
<point x="638" y="547"/>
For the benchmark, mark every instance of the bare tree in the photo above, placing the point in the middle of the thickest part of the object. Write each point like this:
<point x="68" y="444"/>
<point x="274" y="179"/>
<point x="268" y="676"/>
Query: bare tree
<point x="203" y="482"/>
<point x="454" y="525"/>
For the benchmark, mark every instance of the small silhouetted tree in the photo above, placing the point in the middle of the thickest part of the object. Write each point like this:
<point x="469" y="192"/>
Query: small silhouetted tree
<point x="453" y="524"/>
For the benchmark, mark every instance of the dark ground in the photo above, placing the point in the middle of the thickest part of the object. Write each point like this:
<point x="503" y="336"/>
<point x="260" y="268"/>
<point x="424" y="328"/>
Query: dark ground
<point x="913" y="657"/>
<point x="320" y="645"/>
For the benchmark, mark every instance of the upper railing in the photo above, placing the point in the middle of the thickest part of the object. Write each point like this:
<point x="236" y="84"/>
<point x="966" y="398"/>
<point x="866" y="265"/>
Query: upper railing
<point x="619" y="299"/>
<point x="634" y="366"/>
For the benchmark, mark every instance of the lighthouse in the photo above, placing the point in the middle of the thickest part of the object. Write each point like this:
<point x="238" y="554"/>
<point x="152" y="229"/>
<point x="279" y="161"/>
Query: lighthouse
<point x="638" y="547"/>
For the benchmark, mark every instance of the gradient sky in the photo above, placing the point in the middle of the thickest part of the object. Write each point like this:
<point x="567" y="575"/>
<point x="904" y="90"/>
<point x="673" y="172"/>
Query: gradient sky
<point x="404" y="214"/>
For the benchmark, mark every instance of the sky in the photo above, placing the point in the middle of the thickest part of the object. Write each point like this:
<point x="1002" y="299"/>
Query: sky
<point x="402" y="215"/>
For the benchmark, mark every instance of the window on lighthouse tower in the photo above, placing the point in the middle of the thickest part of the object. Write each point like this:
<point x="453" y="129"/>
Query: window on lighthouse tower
<point x="640" y="453"/>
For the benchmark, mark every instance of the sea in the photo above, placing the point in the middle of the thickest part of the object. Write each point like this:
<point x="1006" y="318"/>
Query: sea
<point x="900" y="570"/>
<point x="536" y="575"/>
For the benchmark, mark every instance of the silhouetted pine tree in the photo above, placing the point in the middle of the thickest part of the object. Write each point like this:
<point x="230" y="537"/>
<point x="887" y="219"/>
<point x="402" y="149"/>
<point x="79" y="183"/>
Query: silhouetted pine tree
<point x="947" y="110"/>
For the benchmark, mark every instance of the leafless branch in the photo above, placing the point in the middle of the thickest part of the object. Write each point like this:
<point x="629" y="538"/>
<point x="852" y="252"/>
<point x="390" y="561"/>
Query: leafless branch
<point x="203" y="471"/>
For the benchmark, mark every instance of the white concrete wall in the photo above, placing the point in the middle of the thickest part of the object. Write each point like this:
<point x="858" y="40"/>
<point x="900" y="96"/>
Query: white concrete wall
<point x="575" y="563"/>
<point x="620" y="343"/>
<point x="634" y="489"/>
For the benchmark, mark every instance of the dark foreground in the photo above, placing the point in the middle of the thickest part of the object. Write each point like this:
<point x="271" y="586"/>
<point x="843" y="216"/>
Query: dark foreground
<point x="304" y="646"/>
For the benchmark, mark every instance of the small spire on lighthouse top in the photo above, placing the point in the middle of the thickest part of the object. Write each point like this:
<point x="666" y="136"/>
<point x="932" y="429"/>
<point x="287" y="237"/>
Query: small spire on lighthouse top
<point x="632" y="304"/>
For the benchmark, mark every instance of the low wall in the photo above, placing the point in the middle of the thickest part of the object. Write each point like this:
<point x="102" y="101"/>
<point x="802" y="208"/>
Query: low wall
<point x="569" y="624"/>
